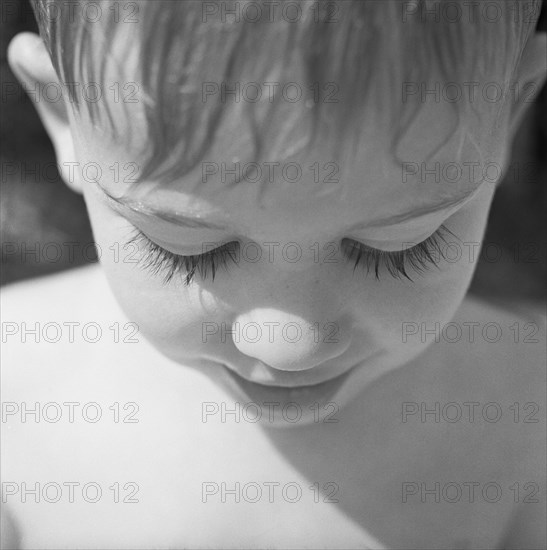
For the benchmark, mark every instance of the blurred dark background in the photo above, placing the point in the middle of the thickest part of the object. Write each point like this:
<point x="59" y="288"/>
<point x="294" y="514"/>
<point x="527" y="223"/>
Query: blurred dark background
<point x="43" y="210"/>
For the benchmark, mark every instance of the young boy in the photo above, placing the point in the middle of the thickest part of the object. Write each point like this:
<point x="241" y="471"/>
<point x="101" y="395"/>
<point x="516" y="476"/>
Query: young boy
<point x="276" y="351"/>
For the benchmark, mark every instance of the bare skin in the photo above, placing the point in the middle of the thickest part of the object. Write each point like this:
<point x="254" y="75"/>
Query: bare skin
<point x="174" y="457"/>
<point x="372" y="462"/>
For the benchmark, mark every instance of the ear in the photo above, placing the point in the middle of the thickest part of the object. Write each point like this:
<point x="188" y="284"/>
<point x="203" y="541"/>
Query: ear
<point x="30" y="62"/>
<point x="530" y="77"/>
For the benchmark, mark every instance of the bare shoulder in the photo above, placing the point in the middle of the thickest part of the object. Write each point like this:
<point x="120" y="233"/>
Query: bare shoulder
<point x="476" y="398"/>
<point x="489" y="364"/>
<point x="487" y="367"/>
<point x="59" y="328"/>
<point x="504" y="356"/>
<point x="37" y="317"/>
<point x="68" y="292"/>
<point x="67" y="359"/>
<point x="508" y="361"/>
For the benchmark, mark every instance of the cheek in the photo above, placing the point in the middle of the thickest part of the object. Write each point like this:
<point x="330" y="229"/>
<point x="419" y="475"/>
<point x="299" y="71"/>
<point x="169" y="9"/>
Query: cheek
<point x="434" y="298"/>
<point x="169" y="316"/>
<point x="401" y="307"/>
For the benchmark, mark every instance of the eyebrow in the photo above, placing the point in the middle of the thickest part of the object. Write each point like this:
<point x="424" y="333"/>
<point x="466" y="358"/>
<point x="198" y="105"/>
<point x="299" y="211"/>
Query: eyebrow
<point x="420" y="215"/>
<point x="183" y="220"/>
<point x="401" y="219"/>
<point x="174" y="217"/>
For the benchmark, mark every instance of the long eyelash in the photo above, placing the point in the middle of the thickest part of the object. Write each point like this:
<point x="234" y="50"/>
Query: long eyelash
<point x="418" y="258"/>
<point x="158" y="260"/>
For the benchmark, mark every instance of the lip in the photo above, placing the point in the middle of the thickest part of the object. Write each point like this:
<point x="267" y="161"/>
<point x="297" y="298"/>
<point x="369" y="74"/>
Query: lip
<point x="261" y="374"/>
<point x="284" y="383"/>
<point x="317" y="394"/>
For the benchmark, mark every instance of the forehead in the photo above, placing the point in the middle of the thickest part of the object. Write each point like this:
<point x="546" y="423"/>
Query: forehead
<point x="312" y="188"/>
<point x="439" y="155"/>
<point x="436" y="164"/>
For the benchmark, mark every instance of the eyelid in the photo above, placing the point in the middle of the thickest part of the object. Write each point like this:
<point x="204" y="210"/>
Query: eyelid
<point x="388" y="246"/>
<point x="417" y="258"/>
<point x="206" y="247"/>
<point x="139" y="234"/>
<point x="158" y="259"/>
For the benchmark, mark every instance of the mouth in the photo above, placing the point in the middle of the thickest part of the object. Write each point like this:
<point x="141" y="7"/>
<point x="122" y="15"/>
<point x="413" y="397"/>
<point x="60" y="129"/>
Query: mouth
<point x="261" y="374"/>
<point x="304" y="394"/>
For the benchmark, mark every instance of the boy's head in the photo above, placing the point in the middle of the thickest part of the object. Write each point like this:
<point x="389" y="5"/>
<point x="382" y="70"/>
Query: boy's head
<point x="314" y="143"/>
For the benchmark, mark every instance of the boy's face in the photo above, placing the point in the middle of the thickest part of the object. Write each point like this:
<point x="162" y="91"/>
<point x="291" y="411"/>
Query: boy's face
<point x="294" y="312"/>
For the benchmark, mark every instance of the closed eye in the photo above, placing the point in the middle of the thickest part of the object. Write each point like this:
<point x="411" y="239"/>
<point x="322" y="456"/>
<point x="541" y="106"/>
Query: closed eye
<point x="399" y="264"/>
<point x="158" y="261"/>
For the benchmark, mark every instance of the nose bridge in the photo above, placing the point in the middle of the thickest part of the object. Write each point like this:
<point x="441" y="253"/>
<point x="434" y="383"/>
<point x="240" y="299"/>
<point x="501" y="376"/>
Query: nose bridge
<point x="306" y="294"/>
<point x="288" y="341"/>
<point x="287" y="255"/>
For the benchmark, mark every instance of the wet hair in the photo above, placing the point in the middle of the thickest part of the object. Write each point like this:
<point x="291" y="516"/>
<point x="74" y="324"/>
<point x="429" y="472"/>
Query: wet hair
<point x="355" y="44"/>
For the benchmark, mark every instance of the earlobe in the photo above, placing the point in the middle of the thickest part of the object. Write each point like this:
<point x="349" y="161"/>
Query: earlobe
<point x="30" y="62"/>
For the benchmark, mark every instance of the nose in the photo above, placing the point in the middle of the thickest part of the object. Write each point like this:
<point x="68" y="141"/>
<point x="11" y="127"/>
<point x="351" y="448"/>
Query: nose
<point x="288" y="342"/>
